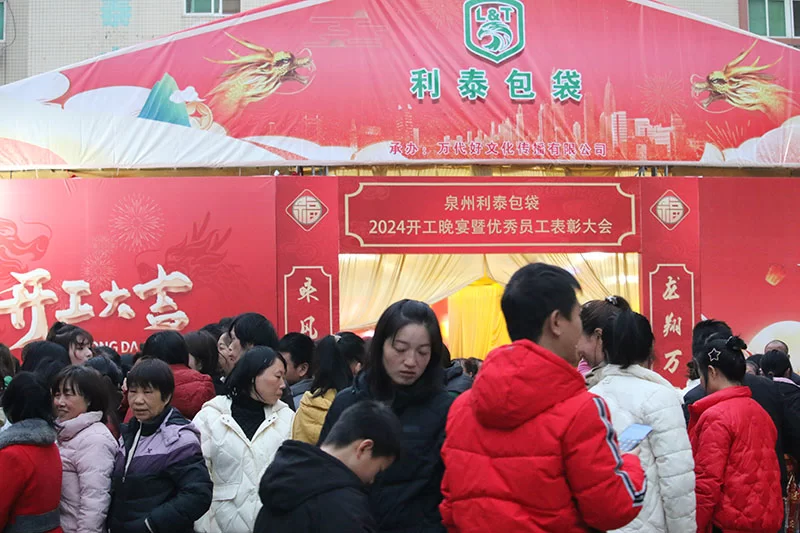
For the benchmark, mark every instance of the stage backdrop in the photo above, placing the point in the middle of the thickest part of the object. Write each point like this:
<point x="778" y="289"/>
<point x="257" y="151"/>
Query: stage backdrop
<point x="750" y="261"/>
<point x="392" y="82"/>
<point x="124" y="258"/>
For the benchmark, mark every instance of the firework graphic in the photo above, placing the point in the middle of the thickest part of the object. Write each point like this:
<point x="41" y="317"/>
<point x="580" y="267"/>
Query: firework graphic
<point x="441" y="13"/>
<point x="662" y="97"/>
<point x="727" y="136"/>
<point x="137" y="223"/>
<point x="99" y="269"/>
<point x="104" y="244"/>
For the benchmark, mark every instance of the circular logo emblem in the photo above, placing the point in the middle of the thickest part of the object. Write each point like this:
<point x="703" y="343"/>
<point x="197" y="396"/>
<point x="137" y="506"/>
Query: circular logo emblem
<point x="670" y="209"/>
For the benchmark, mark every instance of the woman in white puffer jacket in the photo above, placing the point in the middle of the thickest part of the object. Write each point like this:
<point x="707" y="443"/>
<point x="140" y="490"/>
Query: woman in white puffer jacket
<point x="239" y="435"/>
<point x="637" y="395"/>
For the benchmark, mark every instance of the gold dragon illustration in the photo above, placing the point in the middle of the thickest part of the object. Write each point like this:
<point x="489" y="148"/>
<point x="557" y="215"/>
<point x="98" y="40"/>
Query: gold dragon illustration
<point x="746" y="87"/>
<point x="253" y="77"/>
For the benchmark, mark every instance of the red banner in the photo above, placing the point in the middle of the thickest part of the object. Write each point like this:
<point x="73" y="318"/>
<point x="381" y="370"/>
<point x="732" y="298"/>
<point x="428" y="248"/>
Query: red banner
<point x="473" y="215"/>
<point x="393" y="82"/>
<point x="751" y="258"/>
<point x="669" y="276"/>
<point x="123" y="258"/>
<point x="308" y="255"/>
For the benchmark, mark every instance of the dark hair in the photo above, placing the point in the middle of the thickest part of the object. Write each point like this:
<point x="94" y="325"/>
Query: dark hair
<point x="704" y="330"/>
<point x="531" y="296"/>
<point x="154" y="373"/>
<point x="107" y="368"/>
<point x="203" y="348"/>
<point x="754" y="366"/>
<point x="368" y="420"/>
<point x="756" y="358"/>
<point x="783" y="344"/>
<point x="112" y="379"/>
<point x="88" y="383"/>
<point x="69" y="334"/>
<point x="109" y="352"/>
<point x="627" y="339"/>
<point x="775" y="364"/>
<point x="472" y="366"/>
<point x="8" y="365"/>
<point x="691" y="370"/>
<point x="447" y="357"/>
<point x="394" y="318"/>
<point x="300" y="347"/>
<point x="26" y="397"/>
<point x="253" y="362"/>
<point x="332" y="363"/>
<point x="254" y="329"/>
<point x="168" y="346"/>
<point x="44" y="358"/>
<point x="596" y="314"/>
<point x="724" y="354"/>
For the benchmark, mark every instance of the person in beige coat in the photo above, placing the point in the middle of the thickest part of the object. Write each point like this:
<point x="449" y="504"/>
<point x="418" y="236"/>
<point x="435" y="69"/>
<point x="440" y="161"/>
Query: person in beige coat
<point x="239" y="435"/>
<point x="87" y="448"/>
<point x="637" y="395"/>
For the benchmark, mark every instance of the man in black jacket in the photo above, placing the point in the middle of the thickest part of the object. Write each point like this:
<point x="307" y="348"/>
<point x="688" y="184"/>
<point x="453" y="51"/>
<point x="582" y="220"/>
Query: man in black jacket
<point x="323" y="490"/>
<point x="764" y="391"/>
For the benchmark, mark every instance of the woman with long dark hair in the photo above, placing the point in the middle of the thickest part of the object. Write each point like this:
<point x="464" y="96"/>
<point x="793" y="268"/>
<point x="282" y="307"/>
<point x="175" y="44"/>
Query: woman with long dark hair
<point x="240" y="434"/>
<point x="77" y="341"/>
<point x="204" y="357"/>
<point x="336" y="357"/>
<point x="595" y="314"/>
<point x="405" y="371"/>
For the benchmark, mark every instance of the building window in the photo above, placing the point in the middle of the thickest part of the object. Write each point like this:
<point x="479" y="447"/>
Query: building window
<point x="213" y="7"/>
<point x="2" y="20"/>
<point x="775" y="18"/>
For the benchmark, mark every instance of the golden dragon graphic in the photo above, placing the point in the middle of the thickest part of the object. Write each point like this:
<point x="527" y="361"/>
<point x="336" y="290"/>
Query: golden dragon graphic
<point x="253" y="77"/>
<point x="746" y="87"/>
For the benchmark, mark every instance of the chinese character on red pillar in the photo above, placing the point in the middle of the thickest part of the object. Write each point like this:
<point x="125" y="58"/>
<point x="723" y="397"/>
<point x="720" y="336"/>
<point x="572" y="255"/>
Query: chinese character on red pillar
<point x="29" y="293"/>
<point x="164" y="313"/>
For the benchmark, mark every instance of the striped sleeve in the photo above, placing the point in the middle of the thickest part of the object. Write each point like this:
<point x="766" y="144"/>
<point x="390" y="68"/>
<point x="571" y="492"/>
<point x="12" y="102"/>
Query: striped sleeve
<point x="609" y="487"/>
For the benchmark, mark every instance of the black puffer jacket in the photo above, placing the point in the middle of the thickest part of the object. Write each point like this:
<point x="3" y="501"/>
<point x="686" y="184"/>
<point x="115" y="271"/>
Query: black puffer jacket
<point x="456" y="381"/>
<point x="305" y="489"/>
<point x="406" y="497"/>
<point x="166" y="482"/>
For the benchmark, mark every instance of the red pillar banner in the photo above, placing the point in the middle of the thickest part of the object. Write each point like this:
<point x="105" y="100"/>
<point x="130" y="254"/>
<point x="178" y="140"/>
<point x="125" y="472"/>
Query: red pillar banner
<point x="670" y="268"/>
<point x="308" y="255"/>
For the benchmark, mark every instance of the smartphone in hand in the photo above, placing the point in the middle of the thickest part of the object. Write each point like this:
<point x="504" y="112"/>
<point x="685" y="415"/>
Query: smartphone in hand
<point x="633" y="436"/>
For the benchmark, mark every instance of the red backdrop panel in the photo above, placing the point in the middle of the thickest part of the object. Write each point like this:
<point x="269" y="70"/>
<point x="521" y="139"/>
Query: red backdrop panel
<point x="480" y="215"/>
<point x="308" y="255"/>
<point x="670" y="269"/>
<point x="751" y="277"/>
<point x="213" y="237"/>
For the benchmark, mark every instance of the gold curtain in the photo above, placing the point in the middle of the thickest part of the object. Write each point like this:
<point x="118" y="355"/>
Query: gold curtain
<point x="475" y="320"/>
<point x="369" y="283"/>
<point x="600" y="274"/>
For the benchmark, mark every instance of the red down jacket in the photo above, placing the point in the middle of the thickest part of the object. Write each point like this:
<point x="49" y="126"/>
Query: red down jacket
<point x="529" y="449"/>
<point x="738" y="481"/>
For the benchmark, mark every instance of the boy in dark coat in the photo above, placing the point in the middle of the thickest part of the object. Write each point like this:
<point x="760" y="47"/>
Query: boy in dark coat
<point x="324" y="489"/>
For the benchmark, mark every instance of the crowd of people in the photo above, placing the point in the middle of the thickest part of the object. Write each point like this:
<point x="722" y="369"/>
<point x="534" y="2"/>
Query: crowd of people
<point x="233" y="429"/>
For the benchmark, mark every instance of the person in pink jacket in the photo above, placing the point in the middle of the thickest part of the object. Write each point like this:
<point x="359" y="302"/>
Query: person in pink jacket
<point x="88" y="450"/>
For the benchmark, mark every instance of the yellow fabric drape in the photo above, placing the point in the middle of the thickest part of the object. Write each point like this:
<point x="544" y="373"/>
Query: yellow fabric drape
<point x="600" y="274"/>
<point x="370" y="283"/>
<point x="476" y="321"/>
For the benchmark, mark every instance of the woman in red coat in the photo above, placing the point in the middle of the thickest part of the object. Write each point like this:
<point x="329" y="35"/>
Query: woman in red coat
<point x="733" y="441"/>
<point x="29" y="460"/>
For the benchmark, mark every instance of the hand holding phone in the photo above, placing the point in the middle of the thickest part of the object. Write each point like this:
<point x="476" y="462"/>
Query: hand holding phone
<point x="633" y="436"/>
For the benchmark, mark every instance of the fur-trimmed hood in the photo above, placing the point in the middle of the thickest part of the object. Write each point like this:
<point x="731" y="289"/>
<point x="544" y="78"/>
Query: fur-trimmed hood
<point x="32" y="432"/>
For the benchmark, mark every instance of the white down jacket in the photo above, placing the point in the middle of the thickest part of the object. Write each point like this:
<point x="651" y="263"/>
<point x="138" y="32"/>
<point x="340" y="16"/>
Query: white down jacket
<point x="636" y="395"/>
<point x="236" y="464"/>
